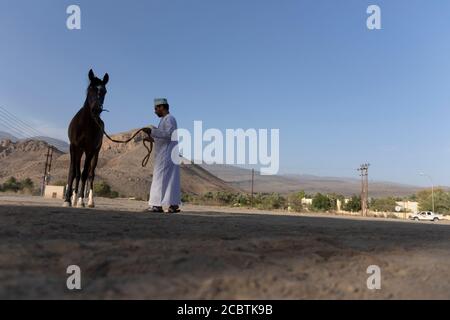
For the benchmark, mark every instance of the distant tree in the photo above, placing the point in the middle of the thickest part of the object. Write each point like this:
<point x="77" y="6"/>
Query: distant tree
<point x="383" y="204"/>
<point x="441" y="201"/>
<point x="322" y="202"/>
<point x="353" y="205"/>
<point x="301" y="194"/>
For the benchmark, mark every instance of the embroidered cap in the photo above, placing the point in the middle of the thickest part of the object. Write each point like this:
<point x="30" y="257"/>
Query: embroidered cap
<point x="160" y="101"/>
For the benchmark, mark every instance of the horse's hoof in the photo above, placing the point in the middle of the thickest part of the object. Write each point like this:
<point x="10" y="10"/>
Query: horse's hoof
<point x="91" y="205"/>
<point x="80" y="203"/>
<point x="67" y="204"/>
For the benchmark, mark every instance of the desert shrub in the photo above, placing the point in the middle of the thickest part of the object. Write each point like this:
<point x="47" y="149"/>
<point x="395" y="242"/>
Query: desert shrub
<point x="323" y="202"/>
<point x="242" y="200"/>
<point x="223" y="198"/>
<point x="295" y="201"/>
<point x="27" y="184"/>
<point x="276" y="201"/>
<point x="353" y="205"/>
<point x="270" y="201"/>
<point x="392" y="216"/>
<point x="383" y="204"/>
<point x="208" y="196"/>
<point x="114" y="194"/>
<point x="102" y="189"/>
<point x="186" y="198"/>
<point x="11" y="185"/>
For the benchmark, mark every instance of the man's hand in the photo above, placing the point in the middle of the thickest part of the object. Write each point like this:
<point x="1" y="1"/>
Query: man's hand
<point x="148" y="131"/>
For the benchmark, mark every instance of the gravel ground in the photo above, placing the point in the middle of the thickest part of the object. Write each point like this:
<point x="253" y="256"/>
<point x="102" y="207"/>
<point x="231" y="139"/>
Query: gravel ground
<point x="214" y="253"/>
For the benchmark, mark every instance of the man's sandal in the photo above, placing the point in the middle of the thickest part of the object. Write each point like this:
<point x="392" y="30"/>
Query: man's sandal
<point x="173" y="209"/>
<point x="154" y="210"/>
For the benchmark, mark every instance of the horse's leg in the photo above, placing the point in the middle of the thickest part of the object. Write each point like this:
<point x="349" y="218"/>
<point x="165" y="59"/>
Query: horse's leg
<point x="77" y="177"/>
<point x="71" y="176"/>
<point x="84" y="176"/>
<point x="92" y="168"/>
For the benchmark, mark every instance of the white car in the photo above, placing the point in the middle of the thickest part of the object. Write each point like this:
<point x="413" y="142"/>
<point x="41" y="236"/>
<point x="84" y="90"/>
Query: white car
<point x="426" y="216"/>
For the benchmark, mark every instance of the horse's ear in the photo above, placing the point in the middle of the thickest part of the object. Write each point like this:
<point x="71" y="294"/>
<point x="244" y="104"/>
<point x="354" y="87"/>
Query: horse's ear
<point x="91" y="75"/>
<point x="105" y="79"/>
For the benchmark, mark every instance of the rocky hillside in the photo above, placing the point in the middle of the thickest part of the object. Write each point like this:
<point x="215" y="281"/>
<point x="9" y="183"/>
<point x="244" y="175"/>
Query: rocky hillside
<point x="119" y="166"/>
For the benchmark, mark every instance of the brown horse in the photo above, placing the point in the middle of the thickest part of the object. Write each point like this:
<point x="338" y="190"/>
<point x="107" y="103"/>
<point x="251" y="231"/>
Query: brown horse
<point x="86" y="137"/>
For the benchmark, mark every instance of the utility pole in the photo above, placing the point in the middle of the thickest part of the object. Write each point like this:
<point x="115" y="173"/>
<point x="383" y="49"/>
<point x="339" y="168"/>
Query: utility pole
<point x="253" y="183"/>
<point x="48" y="166"/>
<point x="364" y="173"/>
<point x="44" y="178"/>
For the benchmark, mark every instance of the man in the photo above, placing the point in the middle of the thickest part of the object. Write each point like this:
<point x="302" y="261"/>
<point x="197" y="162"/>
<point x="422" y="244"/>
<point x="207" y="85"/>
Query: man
<point x="165" y="188"/>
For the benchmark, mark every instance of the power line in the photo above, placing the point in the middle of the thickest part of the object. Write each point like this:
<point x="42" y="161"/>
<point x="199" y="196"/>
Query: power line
<point x="16" y="126"/>
<point x="12" y="123"/>
<point x="13" y="129"/>
<point x="21" y="122"/>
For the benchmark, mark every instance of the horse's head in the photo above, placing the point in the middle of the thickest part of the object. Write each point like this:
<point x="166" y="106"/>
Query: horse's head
<point x="96" y="93"/>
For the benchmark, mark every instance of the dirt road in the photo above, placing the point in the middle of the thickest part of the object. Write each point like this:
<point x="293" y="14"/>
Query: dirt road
<point x="203" y="253"/>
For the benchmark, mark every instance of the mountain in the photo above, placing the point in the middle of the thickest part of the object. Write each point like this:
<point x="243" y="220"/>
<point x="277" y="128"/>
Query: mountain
<point x="119" y="166"/>
<point x="59" y="144"/>
<point x="241" y="178"/>
<point x="7" y="136"/>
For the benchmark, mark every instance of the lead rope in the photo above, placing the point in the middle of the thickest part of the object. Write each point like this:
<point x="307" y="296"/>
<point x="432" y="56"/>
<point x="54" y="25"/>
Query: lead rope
<point x="148" y="147"/>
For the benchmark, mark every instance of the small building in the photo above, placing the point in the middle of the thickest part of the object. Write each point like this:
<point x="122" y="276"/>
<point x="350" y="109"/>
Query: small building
<point x="54" y="192"/>
<point x="409" y="206"/>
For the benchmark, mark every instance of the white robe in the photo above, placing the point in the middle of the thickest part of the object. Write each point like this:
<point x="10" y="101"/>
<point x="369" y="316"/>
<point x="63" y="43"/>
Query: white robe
<point x="165" y="189"/>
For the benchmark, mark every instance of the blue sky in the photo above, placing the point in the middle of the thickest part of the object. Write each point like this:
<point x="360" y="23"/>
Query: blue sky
<point x="340" y="94"/>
